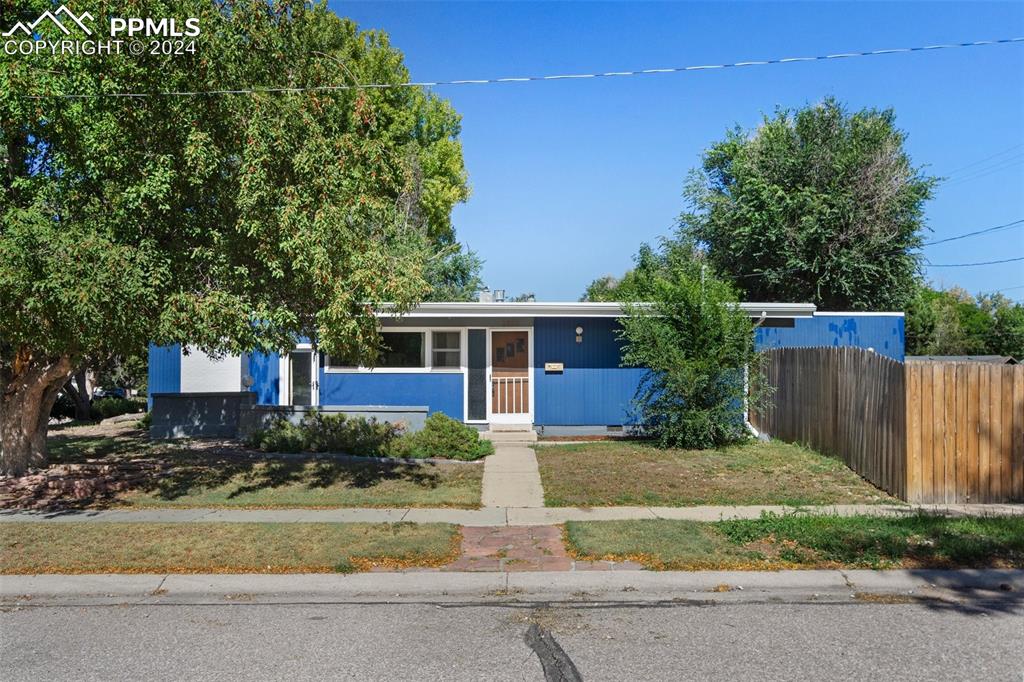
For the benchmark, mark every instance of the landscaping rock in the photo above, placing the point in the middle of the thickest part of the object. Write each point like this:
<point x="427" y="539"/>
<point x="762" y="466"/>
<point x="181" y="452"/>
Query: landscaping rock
<point x="69" y="485"/>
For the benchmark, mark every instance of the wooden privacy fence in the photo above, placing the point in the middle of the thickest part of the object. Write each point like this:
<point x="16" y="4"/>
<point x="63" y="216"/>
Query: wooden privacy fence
<point x="925" y="432"/>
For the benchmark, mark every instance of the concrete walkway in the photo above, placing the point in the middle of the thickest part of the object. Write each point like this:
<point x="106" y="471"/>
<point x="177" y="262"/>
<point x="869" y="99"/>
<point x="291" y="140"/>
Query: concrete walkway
<point x="512" y="478"/>
<point x="488" y="516"/>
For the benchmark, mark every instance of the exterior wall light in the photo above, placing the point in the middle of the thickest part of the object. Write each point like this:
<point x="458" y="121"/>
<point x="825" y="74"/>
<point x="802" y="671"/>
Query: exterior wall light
<point x="579" y="334"/>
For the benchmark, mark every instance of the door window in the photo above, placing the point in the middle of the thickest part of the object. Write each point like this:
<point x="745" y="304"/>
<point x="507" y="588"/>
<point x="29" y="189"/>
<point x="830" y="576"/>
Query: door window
<point x="301" y="389"/>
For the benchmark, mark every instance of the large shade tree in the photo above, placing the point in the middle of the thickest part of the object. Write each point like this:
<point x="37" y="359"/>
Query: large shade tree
<point x="818" y="204"/>
<point x="225" y="222"/>
<point x="953" y="322"/>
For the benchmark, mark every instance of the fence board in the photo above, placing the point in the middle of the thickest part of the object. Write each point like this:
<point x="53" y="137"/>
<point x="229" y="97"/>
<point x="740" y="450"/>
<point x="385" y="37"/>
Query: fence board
<point x="995" y="435"/>
<point x="973" y="415"/>
<point x="1017" y="451"/>
<point x="927" y="429"/>
<point x="949" y="431"/>
<point x="926" y="432"/>
<point x="984" y="424"/>
<point x="1006" y="432"/>
<point x="963" y="487"/>
<point x="913" y="409"/>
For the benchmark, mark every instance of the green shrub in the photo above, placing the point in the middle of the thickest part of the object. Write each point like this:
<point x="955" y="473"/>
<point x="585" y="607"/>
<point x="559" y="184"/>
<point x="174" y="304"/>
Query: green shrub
<point x="318" y="432"/>
<point x="442" y="437"/>
<point x="146" y="421"/>
<point x="106" y="408"/>
<point x="693" y="342"/>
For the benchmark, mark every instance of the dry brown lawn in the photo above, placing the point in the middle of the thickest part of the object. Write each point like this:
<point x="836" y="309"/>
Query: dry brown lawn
<point x="100" y="547"/>
<point x="628" y="473"/>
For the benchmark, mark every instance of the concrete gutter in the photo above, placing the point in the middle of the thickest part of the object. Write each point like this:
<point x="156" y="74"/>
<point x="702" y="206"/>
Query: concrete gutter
<point x="632" y="586"/>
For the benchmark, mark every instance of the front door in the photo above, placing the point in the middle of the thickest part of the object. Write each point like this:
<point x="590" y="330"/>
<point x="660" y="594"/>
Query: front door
<point x="510" y="369"/>
<point x="302" y="373"/>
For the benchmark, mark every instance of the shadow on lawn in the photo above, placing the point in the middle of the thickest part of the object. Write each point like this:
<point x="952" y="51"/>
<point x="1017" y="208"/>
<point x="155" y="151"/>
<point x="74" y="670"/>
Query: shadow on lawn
<point x="73" y="448"/>
<point x="255" y="473"/>
<point x="170" y="471"/>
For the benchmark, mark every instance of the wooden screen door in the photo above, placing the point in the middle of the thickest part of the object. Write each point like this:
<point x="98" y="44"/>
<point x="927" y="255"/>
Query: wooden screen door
<point x="510" y="363"/>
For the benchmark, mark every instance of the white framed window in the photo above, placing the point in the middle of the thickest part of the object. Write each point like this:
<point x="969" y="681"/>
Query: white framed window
<point x="411" y="350"/>
<point x="446" y="349"/>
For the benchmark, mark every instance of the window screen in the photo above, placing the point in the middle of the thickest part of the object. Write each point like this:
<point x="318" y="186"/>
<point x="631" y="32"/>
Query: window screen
<point x="477" y="354"/>
<point x="446" y="351"/>
<point x="402" y="349"/>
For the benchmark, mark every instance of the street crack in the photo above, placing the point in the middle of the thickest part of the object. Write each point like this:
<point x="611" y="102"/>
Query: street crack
<point x="557" y="665"/>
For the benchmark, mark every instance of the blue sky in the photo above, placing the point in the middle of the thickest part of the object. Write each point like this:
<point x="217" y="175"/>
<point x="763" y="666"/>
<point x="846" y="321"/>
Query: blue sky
<point x="570" y="177"/>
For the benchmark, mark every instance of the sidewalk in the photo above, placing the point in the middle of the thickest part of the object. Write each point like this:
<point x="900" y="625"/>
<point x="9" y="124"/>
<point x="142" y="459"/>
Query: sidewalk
<point x="489" y="516"/>
<point x="512" y="478"/>
<point x="626" y="586"/>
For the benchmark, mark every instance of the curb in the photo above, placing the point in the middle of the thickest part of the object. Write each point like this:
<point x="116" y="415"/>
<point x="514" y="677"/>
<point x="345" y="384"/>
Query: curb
<point x="468" y="586"/>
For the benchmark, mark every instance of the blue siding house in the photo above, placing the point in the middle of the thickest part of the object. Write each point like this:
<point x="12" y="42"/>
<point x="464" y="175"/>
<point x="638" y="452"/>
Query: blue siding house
<point x="555" y="366"/>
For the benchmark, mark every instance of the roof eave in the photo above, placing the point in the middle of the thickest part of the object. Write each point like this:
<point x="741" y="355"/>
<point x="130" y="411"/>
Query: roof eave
<point x="573" y="309"/>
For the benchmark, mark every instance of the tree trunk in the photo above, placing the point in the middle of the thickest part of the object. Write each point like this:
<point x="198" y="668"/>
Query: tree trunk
<point x="28" y="389"/>
<point x="79" y="395"/>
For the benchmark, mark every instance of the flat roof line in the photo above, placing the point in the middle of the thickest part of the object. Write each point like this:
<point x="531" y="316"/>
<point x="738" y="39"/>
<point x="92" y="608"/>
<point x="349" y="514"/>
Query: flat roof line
<point x="574" y="309"/>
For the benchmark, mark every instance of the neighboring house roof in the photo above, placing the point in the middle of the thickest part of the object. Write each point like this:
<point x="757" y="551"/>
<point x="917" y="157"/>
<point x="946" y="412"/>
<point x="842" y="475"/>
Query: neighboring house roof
<point x="992" y="359"/>
<point x="576" y="309"/>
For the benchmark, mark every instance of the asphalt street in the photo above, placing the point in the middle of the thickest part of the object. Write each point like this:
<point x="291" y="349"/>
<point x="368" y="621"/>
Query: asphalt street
<point x="494" y="640"/>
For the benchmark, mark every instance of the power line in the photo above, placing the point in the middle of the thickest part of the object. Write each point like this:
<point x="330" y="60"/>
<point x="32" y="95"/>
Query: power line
<point x="526" y="79"/>
<point x="987" y="230"/>
<point x="987" y="158"/>
<point x="970" y="265"/>
<point x="1005" y="164"/>
<point x="891" y="252"/>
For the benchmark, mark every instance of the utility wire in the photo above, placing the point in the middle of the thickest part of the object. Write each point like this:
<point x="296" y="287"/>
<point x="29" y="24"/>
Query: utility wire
<point x="987" y="230"/>
<point x="997" y="228"/>
<point x="525" y="79"/>
<point x="978" y="173"/>
<point x="981" y="161"/>
<point x="970" y="265"/>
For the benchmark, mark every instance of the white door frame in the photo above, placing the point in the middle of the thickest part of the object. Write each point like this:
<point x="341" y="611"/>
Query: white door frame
<point x="519" y="418"/>
<point x="285" y="372"/>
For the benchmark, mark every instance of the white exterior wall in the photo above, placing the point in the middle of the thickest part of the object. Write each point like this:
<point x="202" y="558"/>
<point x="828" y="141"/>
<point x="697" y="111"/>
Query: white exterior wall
<point x="202" y="374"/>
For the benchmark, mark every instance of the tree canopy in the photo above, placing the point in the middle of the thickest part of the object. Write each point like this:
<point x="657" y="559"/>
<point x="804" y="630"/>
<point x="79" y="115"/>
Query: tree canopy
<point x="695" y="343"/>
<point x="816" y="205"/>
<point x="225" y="222"/>
<point x="953" y="322"/>
<point x="651" y="265"/>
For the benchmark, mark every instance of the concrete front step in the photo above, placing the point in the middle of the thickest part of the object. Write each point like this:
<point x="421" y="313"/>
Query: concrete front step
<point x="510" y="437"/>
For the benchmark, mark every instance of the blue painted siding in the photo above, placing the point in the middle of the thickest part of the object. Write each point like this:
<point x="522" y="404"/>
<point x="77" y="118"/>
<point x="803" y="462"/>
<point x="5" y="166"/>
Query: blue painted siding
<point x="440" y="392"/>
<point x="884" y="333"/>
<point x="592" y="389"/>
<point x="164" y="370"/>
<point x="265" y="369"/>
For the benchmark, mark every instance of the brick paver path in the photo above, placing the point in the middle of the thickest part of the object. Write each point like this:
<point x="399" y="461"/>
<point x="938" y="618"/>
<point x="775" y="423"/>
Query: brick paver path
<point x="522" y="548"/>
